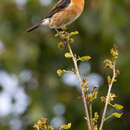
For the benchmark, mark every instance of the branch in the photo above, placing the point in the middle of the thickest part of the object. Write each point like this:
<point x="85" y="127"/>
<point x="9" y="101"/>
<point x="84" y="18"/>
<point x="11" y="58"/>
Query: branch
<point x="79" y="79"/>
<point x="108" y="96"/>
<point x="82" y="90"/>
<point x="91" y="114"/>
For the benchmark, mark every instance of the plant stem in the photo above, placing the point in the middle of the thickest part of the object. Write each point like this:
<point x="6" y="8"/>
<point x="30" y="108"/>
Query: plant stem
<point x="107" y="118"/>
<point x="108" y="96"/>
<point x="82" y="90"/>
<point x="79" y="79"/>
<point x="91" y="116"/>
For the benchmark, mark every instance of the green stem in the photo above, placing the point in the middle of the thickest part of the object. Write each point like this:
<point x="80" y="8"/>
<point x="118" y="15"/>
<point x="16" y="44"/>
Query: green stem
<point x="107" y="118"/>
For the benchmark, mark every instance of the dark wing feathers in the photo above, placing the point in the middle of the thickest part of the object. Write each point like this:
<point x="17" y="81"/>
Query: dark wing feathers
<point x="62" y="4"/>
<point x="33" y="27"/>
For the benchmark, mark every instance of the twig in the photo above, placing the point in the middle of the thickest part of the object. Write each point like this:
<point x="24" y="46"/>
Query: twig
<point x="108" y="96"/>
<point x="79" y="79"/>
<point x="107" y="118"/>
<point x="91" y="115"/>
<point x="82" y="90"/>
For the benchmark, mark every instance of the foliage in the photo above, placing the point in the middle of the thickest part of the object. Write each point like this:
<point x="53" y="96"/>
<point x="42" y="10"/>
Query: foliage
<point x="42" y="125"/>
<point x="88" y="96"/>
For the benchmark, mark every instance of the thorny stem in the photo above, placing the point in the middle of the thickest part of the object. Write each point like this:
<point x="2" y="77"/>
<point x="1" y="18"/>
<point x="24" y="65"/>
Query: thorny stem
<point x="108" y="96"/>
<point x="79" y="79"/>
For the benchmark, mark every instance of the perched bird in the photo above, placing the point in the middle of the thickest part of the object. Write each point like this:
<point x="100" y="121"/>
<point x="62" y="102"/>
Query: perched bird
<point x="62" y="14"/>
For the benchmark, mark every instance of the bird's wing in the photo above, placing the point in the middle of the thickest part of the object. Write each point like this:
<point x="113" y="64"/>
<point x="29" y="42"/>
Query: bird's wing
<point x="61" y="5"/>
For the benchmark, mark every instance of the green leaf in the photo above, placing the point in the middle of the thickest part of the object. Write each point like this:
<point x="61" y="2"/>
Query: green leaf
<point x="64" y="126"/>
<point x="74" y="33"/>
<point x="112" y="96"/>
<point x="117" y="115"/>
<point x="96" y="116"/>
<point x="114" y="52"/>
<point x="68" y="55"/>
<point x="117" y="106"/>
<point x="84" y="58"/>
<point x="60" y="72"/>
<point x="85" y="118"/>
<point x="71" y="40"/>
<point x="61" y="45"/>
<point x="50" y="128"/>
<point x="108" y="63"/>
<point x="109" y="79"/>
<point x="57" y="35"/>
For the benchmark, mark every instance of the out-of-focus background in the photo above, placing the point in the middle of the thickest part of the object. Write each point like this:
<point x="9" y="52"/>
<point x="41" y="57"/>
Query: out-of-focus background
<point x="29" y="86"/>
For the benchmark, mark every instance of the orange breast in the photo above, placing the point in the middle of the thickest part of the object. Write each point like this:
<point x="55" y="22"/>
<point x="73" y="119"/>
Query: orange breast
<point x="68" y="15"/>
<point x="78" y="4"/>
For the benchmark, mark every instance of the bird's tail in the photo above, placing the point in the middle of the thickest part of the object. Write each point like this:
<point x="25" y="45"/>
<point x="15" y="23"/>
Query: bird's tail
<point x="33" y="27"/>
<point x="44" y="22"/>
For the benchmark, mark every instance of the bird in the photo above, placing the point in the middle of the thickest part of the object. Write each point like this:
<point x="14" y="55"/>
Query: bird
<point x="62" y="14"/>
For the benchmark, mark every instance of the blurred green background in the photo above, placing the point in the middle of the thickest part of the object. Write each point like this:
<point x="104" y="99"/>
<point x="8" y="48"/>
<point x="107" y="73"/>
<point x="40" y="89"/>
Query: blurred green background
<point x="29" y="86"/>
